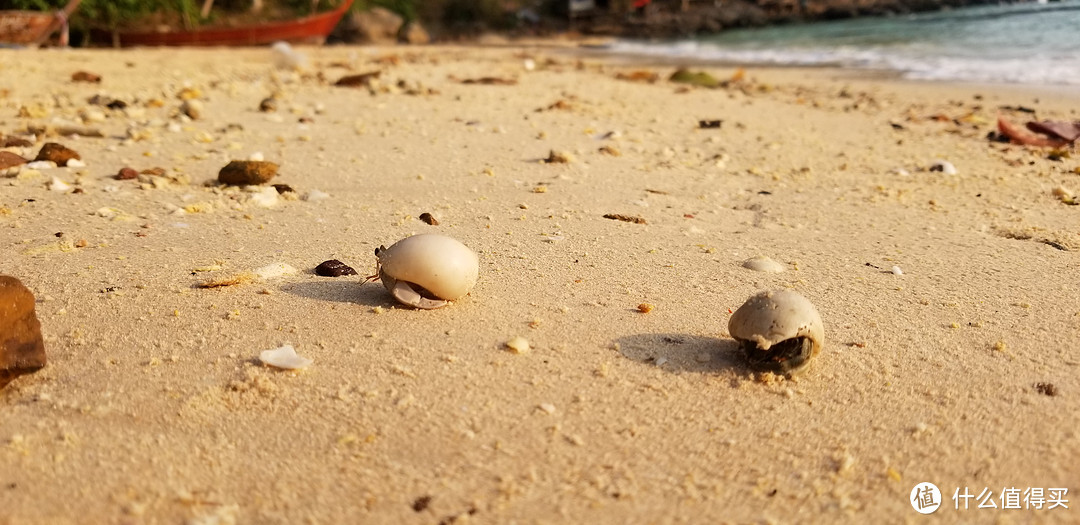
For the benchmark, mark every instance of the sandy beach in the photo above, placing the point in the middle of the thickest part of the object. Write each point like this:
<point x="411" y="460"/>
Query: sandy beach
<point x="958" y="367"/>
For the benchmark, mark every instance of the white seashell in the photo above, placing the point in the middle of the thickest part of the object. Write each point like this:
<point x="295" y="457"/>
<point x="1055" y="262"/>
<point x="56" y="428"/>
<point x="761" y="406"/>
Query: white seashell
<point x="761" y="263"/>
<point x="257" y="156"/>
<point x="76" y="163"/>
<point x="529" y="64"/>
<point x="278" y="269"/>
<point x="285" y="358"/>
<point x="779" y="330"/>
<point x="427" y="271"/>
<point x="943" y="166"/>
<point x="897" y="271"/>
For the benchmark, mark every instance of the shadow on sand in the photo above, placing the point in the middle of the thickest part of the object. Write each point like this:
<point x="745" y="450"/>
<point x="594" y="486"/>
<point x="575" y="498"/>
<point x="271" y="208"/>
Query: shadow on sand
<point x="342" y="291"/>
<point x="683" y="352"/>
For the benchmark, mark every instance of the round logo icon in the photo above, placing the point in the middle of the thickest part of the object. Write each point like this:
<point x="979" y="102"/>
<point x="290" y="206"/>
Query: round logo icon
<point x="925" y="498"/>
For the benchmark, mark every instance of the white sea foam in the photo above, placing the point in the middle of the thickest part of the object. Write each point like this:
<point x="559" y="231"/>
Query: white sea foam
<point x="998" y="44"/>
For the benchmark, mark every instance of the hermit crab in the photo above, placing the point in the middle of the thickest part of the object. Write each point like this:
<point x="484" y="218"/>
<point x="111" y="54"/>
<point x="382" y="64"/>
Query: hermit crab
<point x="427" y="271"/>
<point x="779" y="330"/>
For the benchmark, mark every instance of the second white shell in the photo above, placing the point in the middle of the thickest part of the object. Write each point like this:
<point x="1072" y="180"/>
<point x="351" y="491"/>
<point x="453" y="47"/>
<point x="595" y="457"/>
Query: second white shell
<point x="427" y="270"/>
<point x="779" y="330"/>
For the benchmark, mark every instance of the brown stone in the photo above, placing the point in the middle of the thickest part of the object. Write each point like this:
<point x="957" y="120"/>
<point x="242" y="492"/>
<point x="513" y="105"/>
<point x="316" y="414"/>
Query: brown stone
<point x="247" y="172"/>
<point x="10" y="160"/>
<point x="22" y="350"/>
<point x="85" y="76"/>
<point x="127" y="174"/>
<point x="15" y="142"/>
<point x="57" y="153"/>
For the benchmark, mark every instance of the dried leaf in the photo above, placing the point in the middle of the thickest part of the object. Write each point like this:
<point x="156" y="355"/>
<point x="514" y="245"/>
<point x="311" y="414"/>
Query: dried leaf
<point x="361" y="80"/>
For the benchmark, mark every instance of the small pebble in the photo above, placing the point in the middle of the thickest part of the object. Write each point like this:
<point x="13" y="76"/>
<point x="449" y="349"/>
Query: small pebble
<point x="126" y="174"/>
<point x="192" y="108"/>
<point x="943" y="166"/>
<point x="559" y="157"/>
<point x="645" y="307"/>
<point x="268" y="105"/>
<point x="897" y="271"/>
<point x="518" y="345"/>
<point x="334" y="268"/>
<point x="85" y="76"/>
<point x="247" y="172"/>
<point x="429" y="219"/>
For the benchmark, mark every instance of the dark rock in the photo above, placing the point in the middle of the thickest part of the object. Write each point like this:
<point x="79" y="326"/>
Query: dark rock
<point x="334" y="268"/>
<point x="57" y="153"/>
<point x="126" y="174"/>
<point x="22" y="350"/>
<point x="247" y="172"/>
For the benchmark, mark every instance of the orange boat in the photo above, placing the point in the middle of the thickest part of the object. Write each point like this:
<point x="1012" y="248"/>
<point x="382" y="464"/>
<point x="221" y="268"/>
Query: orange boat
<point x="311" y="29"/>
<point x="33" y="27"/>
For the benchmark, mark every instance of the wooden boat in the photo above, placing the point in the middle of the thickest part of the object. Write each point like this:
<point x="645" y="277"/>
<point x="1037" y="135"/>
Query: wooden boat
<point x="34" y="27"/>
<point x="313" y="28"/>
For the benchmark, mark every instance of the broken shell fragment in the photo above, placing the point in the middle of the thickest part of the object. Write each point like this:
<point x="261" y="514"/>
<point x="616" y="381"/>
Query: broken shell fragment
<point x="427" y="271"/>
<point x="761" y="263"/>
<point x="779" y="330"/>
<point x="284" y="358"/>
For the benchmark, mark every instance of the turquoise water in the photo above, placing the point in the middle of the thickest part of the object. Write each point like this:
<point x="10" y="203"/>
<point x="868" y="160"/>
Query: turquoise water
<point x="1031" y="43"/>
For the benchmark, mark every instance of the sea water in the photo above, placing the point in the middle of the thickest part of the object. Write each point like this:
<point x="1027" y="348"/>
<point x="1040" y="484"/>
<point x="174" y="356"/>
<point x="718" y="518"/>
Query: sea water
<point x="1030" y="43"/>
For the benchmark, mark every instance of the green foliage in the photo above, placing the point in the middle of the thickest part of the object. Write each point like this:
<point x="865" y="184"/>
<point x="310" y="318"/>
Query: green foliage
<point x="111" y="13"/>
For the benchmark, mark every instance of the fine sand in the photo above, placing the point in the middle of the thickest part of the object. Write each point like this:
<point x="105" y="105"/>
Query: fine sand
<point x="155" y="408"/>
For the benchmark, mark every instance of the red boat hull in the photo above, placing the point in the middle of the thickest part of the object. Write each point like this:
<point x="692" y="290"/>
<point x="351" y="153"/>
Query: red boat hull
<point x="312" y="28"/>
